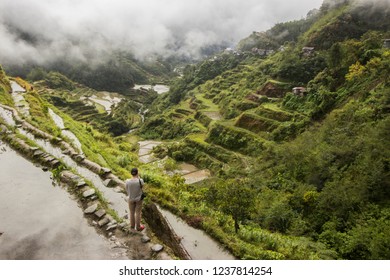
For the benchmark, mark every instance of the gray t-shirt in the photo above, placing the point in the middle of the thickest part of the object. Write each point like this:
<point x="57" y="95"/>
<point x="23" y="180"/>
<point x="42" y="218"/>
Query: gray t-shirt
<point x="133" y="188"/>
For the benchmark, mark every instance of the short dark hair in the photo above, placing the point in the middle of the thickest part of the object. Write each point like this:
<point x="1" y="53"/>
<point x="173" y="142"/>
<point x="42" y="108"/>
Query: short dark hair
<point x="134" y="171"/>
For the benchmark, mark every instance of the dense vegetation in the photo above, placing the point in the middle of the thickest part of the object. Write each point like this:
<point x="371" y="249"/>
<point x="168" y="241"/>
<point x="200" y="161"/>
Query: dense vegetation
<point x="313" y="163"/>
<point x="5" y="88"/>
<point x="117" y="72"/>
<point x="297" y="174"/>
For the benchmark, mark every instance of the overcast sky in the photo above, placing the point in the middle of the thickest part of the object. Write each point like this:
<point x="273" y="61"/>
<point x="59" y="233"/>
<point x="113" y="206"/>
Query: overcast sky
<point x="76" y="28"/>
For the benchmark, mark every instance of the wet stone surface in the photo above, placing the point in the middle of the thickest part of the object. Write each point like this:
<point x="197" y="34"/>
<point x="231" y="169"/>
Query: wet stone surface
<point x="100" y="213"/>
<point x="88" y="193"/>
<point x="30" y="214"/>
<point x="91" y="209"/>
<point x="157" y="248"/>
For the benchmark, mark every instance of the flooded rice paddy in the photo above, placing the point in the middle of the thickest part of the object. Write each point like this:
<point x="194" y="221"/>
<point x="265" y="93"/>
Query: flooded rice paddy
<point x="39" y="219"/>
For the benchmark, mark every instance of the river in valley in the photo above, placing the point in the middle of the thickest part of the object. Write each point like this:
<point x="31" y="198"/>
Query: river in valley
<point x="39" y="219"/>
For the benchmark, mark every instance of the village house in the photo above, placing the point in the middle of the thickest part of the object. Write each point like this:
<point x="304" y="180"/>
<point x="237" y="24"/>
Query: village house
<point x="299" y="91"/>
<point x="386" y="43"/>
<point x="262" y="52"/>
<point x="307" y="51"/>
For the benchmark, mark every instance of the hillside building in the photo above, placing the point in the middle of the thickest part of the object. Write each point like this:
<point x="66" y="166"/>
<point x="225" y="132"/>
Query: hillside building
<point x="308" y="51"/>
<point x="299" y="91"/>
<point x="386" y="43"/>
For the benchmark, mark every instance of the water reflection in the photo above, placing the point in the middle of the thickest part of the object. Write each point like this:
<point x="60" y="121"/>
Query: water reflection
<point x="40" y="221"/>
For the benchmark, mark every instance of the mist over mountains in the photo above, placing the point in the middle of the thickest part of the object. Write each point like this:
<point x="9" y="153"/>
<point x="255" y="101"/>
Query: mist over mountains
<point x="41" y="32"/>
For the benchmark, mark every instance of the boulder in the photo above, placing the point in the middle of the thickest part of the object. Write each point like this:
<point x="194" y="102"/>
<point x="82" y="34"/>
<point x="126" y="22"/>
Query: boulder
<point x="79" y="158"/>
<point x="88" y="193"/>
<point x="110" y="227"/>
<point x="157" y="248"/>
<point x="109" y="183"/>
<point x="106" y="170"/>
<point x="100" y="213"/>
<point x="91" y="209"/>
<point x="80" y="183"/>
<point x="94" y="167"/>
<point x="69" y="178"/>
<point x="37" y="153"/>
<point x="145" y="239"/>
<point x="55" y="163"/>
<point x="103" y="221"/>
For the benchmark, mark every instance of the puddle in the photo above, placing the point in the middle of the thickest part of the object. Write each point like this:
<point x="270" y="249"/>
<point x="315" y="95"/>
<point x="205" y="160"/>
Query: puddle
<point x="60" y="123"/>
<point x="16" y="87"/>
<point x="196" y="176"/>
<point x="105" y="99"/>
<point x="190" y="172"/>
<point x="17" y="96"/>
<point x="41" y="221"/>
<point x="6" y="115"/>
<point x="147" y="158"/>
<point x="198" y="244"/>
<point x="185" y="168"/>
<point x="216" y="116"/>
<point x="145" y="151"/>
<point x="115" y="199"/>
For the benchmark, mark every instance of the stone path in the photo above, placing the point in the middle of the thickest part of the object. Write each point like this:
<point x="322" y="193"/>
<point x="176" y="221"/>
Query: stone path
<point x="18" y="97"/>
<point x="134" y="242"/>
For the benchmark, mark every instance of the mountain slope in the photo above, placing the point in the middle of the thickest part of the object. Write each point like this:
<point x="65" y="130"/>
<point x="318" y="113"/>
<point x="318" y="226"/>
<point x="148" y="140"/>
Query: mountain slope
<point x="317" y="155"/>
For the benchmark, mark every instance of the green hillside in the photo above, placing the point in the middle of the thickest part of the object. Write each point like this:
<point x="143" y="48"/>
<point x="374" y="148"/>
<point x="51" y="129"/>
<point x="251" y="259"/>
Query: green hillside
<point x="117" y="72"/>
<point x="5" y="88"/>
<point x="311" y="161"/>
<point x="296" y="138"/>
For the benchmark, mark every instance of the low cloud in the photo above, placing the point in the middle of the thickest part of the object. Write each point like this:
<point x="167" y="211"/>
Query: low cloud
<point x="42" y="31"/>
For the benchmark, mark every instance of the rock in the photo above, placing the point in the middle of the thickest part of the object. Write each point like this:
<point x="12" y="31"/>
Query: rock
<point x="103" y="221"/>
<point x="110" y="227"/>
<point x="100" y="213"/>
<point x="106" y="170"/>
<point x="69" y="177"/>
<point x="55" y="163"/>
<point x="94" y="167"/>
<point x="123" y="225"/>
<point x="88" y="193"/>
<point x="157" y="248"/>
<point x="109" y="183"/>
<point x="37" y="153"/>
<point x="93" y="197"/>
<point x="33" y="149"/>
<point x="145" y="239"/>
<point x="45" y="168"/>
<point x="91" y="209"/>
<point x="79" y="158"/>
<point x="80" y="183"/>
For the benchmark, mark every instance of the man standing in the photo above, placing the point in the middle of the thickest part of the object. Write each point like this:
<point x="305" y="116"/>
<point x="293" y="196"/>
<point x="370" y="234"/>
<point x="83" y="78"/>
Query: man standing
<point x="134" y="192"/>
